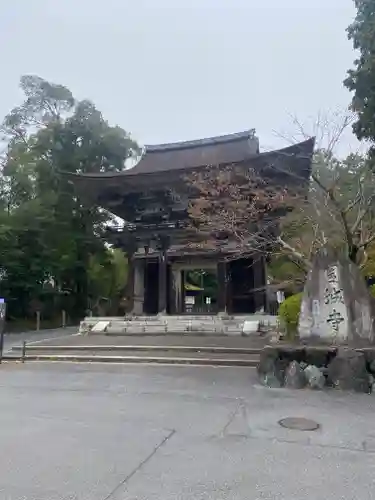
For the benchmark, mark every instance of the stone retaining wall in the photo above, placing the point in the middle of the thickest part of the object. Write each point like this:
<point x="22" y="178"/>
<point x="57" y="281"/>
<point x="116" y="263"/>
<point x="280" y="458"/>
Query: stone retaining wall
<point x="317" y="367"/>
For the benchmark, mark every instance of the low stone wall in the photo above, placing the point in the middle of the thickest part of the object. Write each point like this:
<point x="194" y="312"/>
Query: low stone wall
<point x="318" y="367"/>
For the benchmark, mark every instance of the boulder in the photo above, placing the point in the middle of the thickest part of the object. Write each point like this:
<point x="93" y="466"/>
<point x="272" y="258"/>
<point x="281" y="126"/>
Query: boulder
<point x="295" y="376"/>
<point x="271" y="380"/>
<point x="314" y="376"/>
<point x="270" y="369"/>
<point x="336" y="307"/>
<point x="319" y="356"/>
<point x="347" y="371"/>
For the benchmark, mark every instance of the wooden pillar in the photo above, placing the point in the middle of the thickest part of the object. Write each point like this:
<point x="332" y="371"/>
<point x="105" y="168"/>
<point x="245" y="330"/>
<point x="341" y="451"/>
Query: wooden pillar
<point x="130" y="247"/>
<point x="163" y="275"/>
<point x="267" y="307"/>
<point x="259" y="282"/>
<point x="222" y="286"/>
<point x="176" y="297"/>
<point x="163" y="263"/>
<point x="129" y="289"/>
<point x="138" y="287"/>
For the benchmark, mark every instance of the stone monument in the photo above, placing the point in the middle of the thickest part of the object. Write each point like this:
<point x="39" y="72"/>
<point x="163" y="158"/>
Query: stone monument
<point x="337" y="307"/>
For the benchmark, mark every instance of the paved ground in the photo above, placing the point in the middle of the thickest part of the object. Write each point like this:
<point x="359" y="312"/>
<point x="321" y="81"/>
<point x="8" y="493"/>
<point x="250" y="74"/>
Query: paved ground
<point x="58" y="334"/>
<point x="99" y="432"/>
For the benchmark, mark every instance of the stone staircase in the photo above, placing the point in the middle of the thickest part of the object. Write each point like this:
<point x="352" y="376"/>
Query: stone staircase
<point x="178" y="325"/>
<point x="145" y="349"/>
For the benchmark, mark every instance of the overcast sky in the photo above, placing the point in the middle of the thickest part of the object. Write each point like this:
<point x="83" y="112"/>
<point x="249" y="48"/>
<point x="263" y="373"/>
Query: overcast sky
<point x="169" y="70"/>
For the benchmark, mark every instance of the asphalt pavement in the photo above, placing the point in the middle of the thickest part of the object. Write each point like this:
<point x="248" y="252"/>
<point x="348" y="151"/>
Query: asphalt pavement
<point x="99" y="432"/>
<point x="16" y="339"/>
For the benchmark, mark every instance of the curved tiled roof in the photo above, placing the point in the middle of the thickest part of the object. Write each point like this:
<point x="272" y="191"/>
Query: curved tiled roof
<point x="189" y="154"/>
<point x="218" y="150"/>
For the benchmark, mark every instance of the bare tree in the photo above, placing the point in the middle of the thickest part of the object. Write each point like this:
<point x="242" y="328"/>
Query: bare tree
<point x="255" y="212"/>
<point x="340" y="206"/>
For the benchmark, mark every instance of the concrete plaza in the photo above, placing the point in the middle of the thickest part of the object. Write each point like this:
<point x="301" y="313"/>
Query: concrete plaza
<point x="115" y="432"/>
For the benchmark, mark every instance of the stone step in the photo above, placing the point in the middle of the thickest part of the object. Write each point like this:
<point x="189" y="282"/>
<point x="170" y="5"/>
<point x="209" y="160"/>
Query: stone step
<point x="196" y="359"/>
<point x="160" y="349"/>
<point x="158" y="325"/>
<point x="166" y="349"/>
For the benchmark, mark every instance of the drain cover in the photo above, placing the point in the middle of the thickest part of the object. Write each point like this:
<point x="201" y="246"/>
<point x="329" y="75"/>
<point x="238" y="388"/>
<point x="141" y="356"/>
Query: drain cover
<point x="299" y="424"/>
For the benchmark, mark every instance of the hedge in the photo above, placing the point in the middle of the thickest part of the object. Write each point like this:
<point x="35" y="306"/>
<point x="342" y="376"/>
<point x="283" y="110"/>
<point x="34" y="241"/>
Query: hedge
<point x="289" y="314"/>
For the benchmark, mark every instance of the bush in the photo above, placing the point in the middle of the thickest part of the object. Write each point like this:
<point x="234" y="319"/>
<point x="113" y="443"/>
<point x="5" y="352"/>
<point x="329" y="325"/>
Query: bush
<point x="289" y="314"/>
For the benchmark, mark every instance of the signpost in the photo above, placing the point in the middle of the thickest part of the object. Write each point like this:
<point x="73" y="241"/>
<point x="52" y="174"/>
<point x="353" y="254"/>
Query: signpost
<point x="2" y="326"/>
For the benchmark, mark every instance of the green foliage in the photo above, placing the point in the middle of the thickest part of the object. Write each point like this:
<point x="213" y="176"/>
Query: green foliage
<point x="52" y="241"/>
<point x="289" y="314"/>
<point x="360" y="80"/>
<point x="283" y="271"/>
<point x="107" y="279"/>
<point x="203" y="279"/>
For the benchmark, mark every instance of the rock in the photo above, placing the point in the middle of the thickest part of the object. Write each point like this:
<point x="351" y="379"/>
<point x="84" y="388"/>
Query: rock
<point x="372" y="366"/>
<point x="336" y="307"/>
<point x="314" y="376"/>
<point x="270" y="380"/>
<point x="295" y="376"/>
<point x="270" y="370"/>
<point x="347" y="371"/>
<point x="268" y="357"/>
<point x="319" y="356"/>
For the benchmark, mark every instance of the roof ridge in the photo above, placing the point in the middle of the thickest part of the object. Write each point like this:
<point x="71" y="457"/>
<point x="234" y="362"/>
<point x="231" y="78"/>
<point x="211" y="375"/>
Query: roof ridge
<point x="219" y="139"/>
<point x="308" y="143"/>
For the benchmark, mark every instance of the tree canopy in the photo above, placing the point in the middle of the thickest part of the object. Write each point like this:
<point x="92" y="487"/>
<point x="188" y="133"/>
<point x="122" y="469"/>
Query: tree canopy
<point x="336" y="210"/>
<point x="361" y="78"/>
<point x="51" y="240"/>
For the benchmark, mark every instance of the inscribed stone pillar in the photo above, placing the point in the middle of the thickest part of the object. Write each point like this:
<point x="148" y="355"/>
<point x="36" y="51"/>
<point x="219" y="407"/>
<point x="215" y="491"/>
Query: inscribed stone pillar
<point x="336" y="305"/>
<point x="138" y="287"/>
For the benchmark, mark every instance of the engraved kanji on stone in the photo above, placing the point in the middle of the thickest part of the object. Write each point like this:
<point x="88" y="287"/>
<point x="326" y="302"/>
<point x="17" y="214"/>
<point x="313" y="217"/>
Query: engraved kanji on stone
<point x="332" y="275"/>
<point x="335" y="319"/>
<point x="333" y="296"/>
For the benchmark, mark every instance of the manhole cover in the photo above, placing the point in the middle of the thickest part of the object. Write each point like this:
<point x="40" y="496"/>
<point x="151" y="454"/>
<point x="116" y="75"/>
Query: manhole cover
<point x="299" y="424"/>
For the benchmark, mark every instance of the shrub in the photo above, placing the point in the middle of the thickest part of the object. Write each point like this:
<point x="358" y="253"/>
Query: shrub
<point x="289" y="314"/>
